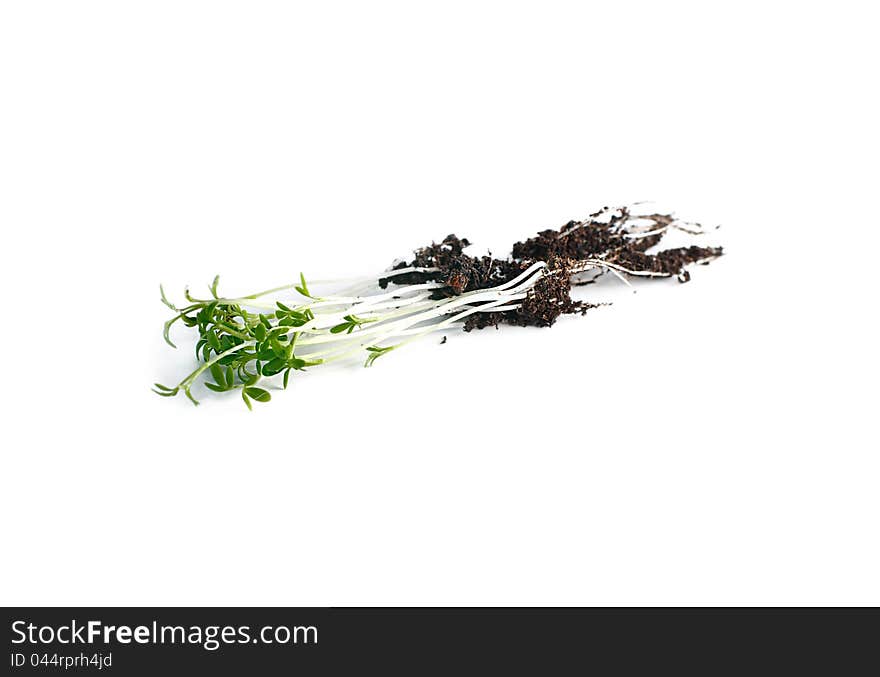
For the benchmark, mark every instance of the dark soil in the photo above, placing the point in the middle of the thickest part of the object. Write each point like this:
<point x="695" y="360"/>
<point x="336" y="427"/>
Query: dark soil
<point x="458" y="270"/>
<point x="565" y="251"/>
<point x="668" y="262"/>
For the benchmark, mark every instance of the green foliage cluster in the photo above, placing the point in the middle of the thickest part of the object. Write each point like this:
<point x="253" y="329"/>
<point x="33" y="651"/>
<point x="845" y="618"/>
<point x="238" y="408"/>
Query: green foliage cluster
<point x="238" y="347"/>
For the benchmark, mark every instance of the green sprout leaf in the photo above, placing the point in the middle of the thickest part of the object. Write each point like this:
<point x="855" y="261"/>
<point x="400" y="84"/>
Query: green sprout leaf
<point x="300" y="364"/>
<point x="166" y="301"/>
<point x="375" y="352"/>
<point x="274" y="366"/>
<point x="213" y="341"/>
<point x="351" y="323"/>
<point x="219" y="376"/>
<point x="164" y="391"/>
<point x="258" y="394"/>
<point x="167" y="329"/>
<point x="303" y="288"/>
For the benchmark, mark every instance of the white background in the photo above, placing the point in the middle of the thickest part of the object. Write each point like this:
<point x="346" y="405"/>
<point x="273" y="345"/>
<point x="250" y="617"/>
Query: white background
<point x="708" y="443"/>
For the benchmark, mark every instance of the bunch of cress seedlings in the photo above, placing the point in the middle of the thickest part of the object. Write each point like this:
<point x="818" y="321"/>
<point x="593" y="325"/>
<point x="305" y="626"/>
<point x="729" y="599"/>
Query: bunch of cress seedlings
<point x="245" y="341"/>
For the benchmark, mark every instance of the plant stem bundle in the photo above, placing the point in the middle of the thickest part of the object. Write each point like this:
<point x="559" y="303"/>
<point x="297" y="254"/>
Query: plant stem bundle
<point x="245" y="341"/>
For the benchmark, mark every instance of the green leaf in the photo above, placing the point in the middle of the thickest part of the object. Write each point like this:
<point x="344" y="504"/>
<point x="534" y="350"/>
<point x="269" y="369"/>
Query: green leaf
<point x="246" y="399"/>
<point x="258" y="394"/>
<point x="214" y="286"/>
<point x="165" y="333"/>
<point x="277" y="348"/>
<point x="298" y="319"/>
<point x="164" y="391"/>
<point x="375" y="353"/>
<point x="246" y="376"/>
<point x="339" y="328"/>
<point x="300" y="364"/>
<point x="218" y="375"/>
<point x="281" y="306"/>
<point x="303" y="288"/>
<point x="260" y="332"/>
<point x="213" y="340"/>
<point x="230" y="377"/>
<point x="274" y="366"/>
<point x="165" y="299"/>
<point x="286" y="377"/>
<point x="215" y="387"/>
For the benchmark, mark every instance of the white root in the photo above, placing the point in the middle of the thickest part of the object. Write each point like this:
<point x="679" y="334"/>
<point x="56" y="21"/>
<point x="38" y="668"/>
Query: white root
<point x="406" y="312"/>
